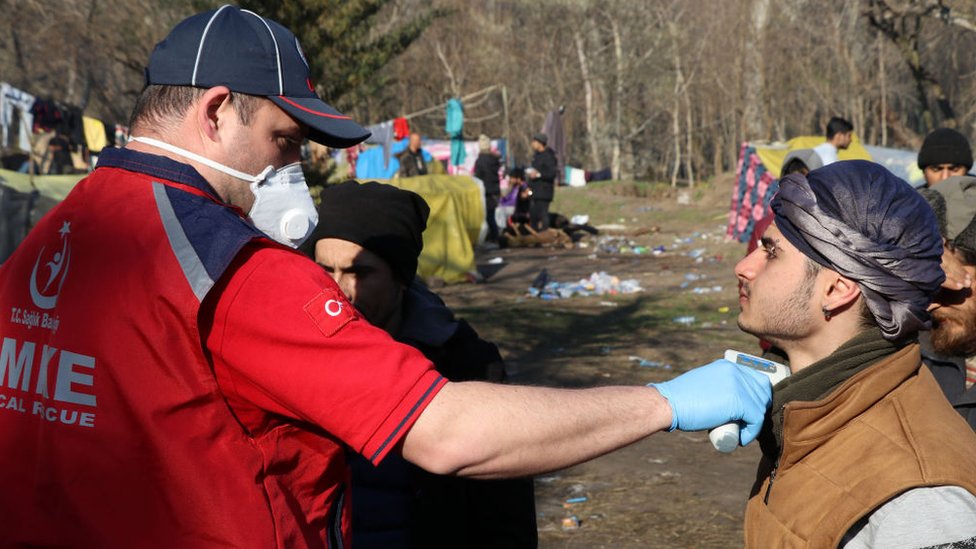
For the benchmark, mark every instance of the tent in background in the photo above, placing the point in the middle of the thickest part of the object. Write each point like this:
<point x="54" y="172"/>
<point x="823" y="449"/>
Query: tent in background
<point x="900" y="162"/>
<point x="757" y="175"/>
<point x="455" y="226"/>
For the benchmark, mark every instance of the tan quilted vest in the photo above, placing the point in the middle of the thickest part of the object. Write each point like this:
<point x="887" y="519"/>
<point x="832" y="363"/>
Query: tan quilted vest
<point x="884" y="431"/>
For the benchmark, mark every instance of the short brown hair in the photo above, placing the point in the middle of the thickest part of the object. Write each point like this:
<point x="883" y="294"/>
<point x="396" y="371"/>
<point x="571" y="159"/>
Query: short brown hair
<point x="159" y="104"/>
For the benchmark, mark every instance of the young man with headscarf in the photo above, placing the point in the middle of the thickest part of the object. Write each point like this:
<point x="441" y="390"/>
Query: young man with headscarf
<point x="861" y="448"/>
<point x="949" y="349"/>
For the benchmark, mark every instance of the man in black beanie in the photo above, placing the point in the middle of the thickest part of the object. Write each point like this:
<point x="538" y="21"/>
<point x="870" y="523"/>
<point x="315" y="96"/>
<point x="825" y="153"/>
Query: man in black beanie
<point x="944" y="153"/>
<point x="368" y="239"/>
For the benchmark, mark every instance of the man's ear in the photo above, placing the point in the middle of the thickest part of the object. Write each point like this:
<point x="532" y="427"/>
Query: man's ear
<point x="840" y="292"/>
<point x="210" y="111"/>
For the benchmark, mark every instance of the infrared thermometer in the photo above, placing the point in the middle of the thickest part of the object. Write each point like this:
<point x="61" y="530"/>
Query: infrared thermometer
<point x="725" y="438"/>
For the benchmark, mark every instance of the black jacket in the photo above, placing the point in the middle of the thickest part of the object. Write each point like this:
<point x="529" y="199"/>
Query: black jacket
<point x="412" y="164"/>
<point x="486" y="169"/>
<point x="950" y="372"/>
<point x="543" y="188"/>
<point x="398" y="505"/>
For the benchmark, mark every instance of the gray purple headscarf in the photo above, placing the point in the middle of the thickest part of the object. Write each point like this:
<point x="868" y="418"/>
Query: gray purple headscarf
<point x="859" y="219"/>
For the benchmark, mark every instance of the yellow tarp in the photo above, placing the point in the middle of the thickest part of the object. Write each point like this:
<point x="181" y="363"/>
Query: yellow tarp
<point x="52" y="186"/>
<point x="772" y="156"/>
<point x="457" y="212"/>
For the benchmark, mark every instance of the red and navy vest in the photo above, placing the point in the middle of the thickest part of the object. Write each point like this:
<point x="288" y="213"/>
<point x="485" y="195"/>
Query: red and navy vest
<point x="113" y="431"/>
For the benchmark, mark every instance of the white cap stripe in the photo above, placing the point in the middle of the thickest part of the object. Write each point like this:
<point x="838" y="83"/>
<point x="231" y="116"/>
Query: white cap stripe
<point x="281" y="85"/>
<point x="196" y="64"/>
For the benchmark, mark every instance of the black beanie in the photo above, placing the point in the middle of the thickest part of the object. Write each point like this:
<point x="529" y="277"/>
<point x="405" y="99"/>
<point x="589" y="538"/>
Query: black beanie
<point x="384" y="219"/>
<point x="945" y="146"/>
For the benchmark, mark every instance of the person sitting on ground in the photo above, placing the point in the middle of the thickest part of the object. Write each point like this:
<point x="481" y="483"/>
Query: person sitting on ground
<point x="861" y="449"/>
<point x="520" y="222"/>
<point x="412" y="162"/>
<point x="519" y="231"/>
<point x="944" y="153"/>
<point x="949" y="349"/>
<point x="486" y="168"/>
<point x="369" y="239"/>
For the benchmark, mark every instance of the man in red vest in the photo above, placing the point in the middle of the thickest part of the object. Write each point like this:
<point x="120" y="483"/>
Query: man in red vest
<point x="174" y="374"/>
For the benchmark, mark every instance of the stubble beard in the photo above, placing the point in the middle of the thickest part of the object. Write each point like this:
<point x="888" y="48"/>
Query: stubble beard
<point x="781" y="323"/>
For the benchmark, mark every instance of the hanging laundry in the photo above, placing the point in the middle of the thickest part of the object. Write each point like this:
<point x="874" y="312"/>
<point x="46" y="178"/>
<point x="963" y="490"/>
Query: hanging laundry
<point x="401" y="128"/>
<point x="94" y="134"/>
<point x="382" y="134"/>
<point x="455" y="127"/>
<point x="47" y="115"/>
<point x="15" y="117"/>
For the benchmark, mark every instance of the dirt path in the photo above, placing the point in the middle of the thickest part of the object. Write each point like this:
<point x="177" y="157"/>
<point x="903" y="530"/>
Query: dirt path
<point x="671" y="490"/>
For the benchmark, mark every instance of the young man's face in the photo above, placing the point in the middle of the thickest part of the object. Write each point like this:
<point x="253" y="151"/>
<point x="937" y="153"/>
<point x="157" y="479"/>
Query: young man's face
<point x="954" y="314"/>
<point x="365" y="278"/>
<point x="938" y="173"/>
<point x="843" y="140"/>
<point x="776" y="291"/>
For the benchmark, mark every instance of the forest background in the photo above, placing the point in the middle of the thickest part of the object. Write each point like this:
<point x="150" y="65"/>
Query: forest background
<point x="656" y="90"/>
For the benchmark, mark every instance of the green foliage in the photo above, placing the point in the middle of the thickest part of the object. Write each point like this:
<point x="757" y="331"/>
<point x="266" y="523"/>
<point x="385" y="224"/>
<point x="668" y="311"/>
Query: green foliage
<point x="344" y="51"/>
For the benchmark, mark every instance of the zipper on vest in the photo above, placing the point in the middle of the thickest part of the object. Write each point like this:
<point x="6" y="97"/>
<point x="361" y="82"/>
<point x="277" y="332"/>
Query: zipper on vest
<point x="769" y="487"/>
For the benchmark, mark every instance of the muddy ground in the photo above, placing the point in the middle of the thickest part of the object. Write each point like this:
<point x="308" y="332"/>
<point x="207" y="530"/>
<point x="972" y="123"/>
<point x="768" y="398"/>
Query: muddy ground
<point x="670" y="490"/>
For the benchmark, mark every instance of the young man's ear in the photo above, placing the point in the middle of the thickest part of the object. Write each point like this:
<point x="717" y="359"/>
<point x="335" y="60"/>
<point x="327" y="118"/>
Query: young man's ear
<point x="840" y="292"/>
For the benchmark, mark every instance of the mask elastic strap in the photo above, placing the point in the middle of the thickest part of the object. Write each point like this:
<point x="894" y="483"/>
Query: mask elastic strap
<point x="193" y="156"/>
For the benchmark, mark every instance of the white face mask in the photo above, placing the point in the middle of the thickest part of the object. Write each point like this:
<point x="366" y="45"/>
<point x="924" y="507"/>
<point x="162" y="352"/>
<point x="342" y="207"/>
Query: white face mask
<point x="282" y="208"/>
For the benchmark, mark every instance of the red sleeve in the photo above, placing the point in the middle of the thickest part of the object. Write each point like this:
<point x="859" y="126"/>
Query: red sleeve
<point x="284" y="340"/>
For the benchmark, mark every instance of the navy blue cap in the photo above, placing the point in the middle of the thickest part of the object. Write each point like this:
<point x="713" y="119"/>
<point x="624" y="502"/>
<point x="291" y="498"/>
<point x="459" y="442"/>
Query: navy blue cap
<point x="250" y="54"/>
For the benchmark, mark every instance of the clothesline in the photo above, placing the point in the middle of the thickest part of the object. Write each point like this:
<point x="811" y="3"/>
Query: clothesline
<point x="463" y="99"/>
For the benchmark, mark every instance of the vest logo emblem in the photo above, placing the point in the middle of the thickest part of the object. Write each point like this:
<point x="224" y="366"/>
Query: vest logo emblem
<point x="50" y="271"/>
<point x="333" y="307"/>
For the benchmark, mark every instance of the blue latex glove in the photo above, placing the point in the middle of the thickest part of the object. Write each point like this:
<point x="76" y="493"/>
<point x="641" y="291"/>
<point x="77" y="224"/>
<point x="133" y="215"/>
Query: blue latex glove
<point x="716" y="394"/>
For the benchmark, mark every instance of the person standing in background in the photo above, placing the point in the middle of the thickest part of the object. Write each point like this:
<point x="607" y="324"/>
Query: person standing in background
<point x="542" y="180"/>
<point x="486" y="168"/>
<point x="412" y="161"/>
<point x="839" y="135"/>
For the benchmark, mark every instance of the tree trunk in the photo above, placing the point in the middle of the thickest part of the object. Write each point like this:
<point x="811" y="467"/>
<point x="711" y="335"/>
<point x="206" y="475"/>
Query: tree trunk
<point x="689" y="140"/>
<point x="755" y="84"/>
<point x="588" y="99"/>
<point x="884" y="92"/>
<point x="617" y="100"/>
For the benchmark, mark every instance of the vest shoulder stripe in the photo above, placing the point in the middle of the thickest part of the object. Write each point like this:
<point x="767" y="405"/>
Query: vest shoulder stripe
<point x="193" y="268"/>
